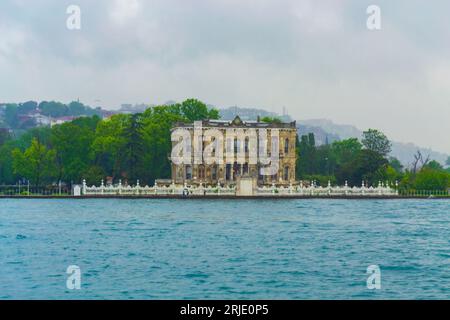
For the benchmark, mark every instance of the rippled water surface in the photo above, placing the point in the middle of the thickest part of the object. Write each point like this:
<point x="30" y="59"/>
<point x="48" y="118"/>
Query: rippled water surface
<point x="224" y="249"/>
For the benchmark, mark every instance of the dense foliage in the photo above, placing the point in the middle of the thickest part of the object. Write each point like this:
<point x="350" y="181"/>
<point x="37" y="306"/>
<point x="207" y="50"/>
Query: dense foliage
<point x="354" y="161"/>
<point x="138" y="146"/>
<point x="128" y="147"/>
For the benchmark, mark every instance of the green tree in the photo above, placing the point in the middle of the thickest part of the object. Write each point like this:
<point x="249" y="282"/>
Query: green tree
<point x="72" y="142"/>
<point x="134" y="147"/>
<point x="108" y="146"/>
<point x="396" y="164"/>
<point x="53" y="109"/>
<point x="11" y="115"/>
<point x="26" y="107"/>
<point x="447" y="162"/>
<point x="5" y="136"/>
<point x="306" y="158"/>
<point x="35" y="164"/>
<point x="346" y="150"/>
<point x="194" y="109"/>
<point x="267" y="119"/>
<point x="369" y="166"/>
<point x="157" y="124"/>
<point x="7" y="175"/>
<point x="326" y="161"/>
<point x="433" y="164"/>
<point x="376" y="141"/>
<point x="94" y="174"/>
<point x="431" y="179"/>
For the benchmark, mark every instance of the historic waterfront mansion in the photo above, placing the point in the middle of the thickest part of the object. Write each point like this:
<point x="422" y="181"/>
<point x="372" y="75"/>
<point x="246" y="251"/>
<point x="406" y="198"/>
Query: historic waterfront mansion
<point x="230" y="172"/>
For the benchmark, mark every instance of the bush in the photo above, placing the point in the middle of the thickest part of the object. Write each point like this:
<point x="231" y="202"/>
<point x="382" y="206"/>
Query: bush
<point x="431" y="179"/>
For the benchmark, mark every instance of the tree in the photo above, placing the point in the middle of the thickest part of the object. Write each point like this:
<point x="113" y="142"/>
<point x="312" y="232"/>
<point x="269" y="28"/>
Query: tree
<point x="369" y="166"/>
<point x="447" y="162"/>
<point x="267" y="119"/>
<point x="431" y="179"/>
<point x="306" y="158"/>
<point x="108" y="146"/>
<point x="7" y="175"/>
<point x="376" y="141"/>
<point x="53" y="109"/>
<point x="346" y="150"/>
<point x="73" y="144"/>
<point x="134" y="146"/>
<point x="35" y="164"/>
<point x="4" y="136"/>
<point x="390" y="174"/>
<point x="11" y="113"/>
<point x="27" y="107"/>
<point x="419" y="161"/>
<point x="194" y="109"/>
<point x="396" y="164"/>
<point x="433" y="164"/>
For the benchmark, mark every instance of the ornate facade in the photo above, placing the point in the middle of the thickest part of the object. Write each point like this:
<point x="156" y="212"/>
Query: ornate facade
<point x="229" y="173"/>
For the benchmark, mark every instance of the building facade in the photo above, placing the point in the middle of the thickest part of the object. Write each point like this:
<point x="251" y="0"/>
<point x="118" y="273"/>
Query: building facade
<point x="228" y="172"/>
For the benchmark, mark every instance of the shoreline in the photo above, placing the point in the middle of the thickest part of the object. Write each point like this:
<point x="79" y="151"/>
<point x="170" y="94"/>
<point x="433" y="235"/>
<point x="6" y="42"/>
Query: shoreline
<point x="225" y="197"/>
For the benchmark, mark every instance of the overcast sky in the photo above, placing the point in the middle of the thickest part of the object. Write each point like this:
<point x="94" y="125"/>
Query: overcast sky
<point x="316" y="58"/>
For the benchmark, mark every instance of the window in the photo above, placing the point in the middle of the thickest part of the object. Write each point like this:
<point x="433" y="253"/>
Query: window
<point x="214" y="172"/>
<point x="286" y="173"/>
<point x="188" y="172"/>
<point x="286" y="146"/>
<point x="260" y="176"/>
<point x="201" y="172"/>
<point x="236" y="170"/>
<point x="228" y="172"/>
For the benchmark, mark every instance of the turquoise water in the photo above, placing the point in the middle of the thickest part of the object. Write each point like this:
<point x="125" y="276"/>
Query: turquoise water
<point x="224" y="249"/>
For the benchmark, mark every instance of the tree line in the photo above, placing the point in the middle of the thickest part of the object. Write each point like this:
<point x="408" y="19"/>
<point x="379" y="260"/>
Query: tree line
<point x="124" y="146"/>
<point x="354" y="161"/>
<point x="13" y="111"/>
<point x="137" y="146"/>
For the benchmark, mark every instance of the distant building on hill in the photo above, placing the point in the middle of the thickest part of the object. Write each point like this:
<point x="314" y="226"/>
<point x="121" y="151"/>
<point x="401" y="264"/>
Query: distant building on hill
<point x="128" y="108"/>
<point x="61" y="120"/>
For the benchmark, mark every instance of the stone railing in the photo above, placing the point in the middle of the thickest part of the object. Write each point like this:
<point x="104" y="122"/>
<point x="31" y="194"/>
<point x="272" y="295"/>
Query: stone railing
<point x="164" y="190"/>
<point x="311" y="190"/>
<point x="331" y="191"/>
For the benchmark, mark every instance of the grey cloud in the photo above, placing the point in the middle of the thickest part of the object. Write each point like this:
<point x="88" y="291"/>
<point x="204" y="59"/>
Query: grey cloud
<point x="314" y="57"/>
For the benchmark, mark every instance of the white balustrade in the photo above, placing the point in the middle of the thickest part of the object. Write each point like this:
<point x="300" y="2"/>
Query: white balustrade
<point x="382" y="190"/>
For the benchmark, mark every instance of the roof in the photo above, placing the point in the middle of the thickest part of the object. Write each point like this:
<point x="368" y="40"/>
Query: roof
<point x="238" y="123"/>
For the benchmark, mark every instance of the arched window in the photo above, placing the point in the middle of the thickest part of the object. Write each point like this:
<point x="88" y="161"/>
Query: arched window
<point x="286" y="145"/>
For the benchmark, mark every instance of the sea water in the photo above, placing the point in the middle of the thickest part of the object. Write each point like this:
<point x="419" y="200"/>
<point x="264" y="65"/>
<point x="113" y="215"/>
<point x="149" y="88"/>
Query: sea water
<point x="224" y="249"/>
